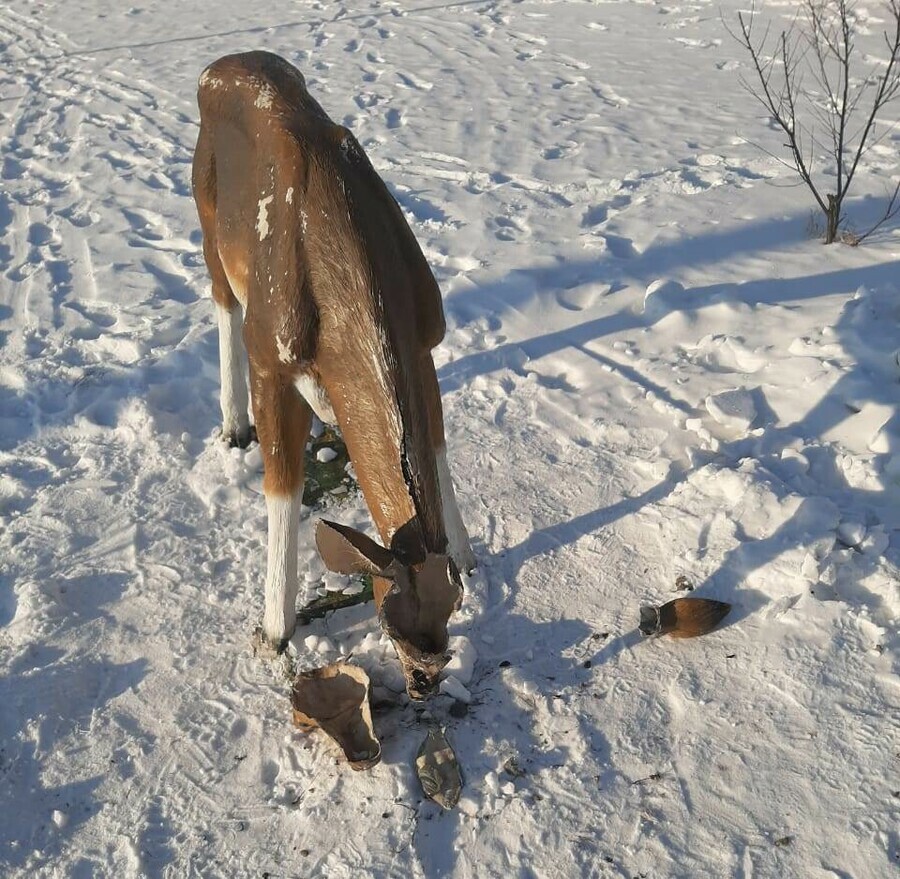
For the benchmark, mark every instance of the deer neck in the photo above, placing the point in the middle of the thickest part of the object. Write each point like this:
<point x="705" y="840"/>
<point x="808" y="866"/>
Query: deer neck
<point x="372" y="381"/>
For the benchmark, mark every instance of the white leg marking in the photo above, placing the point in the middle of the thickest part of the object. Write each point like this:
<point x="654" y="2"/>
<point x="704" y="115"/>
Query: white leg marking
<point x="234" y="399"/>
<point x="280" y="615"/>
<point x="457" y="536"/>
<point x="315" y="395"/>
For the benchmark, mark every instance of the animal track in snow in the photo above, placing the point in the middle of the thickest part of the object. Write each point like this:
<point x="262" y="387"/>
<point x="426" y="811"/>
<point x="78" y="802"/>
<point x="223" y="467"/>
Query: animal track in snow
<point x="508" y="228"/>
<point x="367" y="100"/>
<point x="410" y="81"/>
<point x="561" y="151"/>
<point x="609" y="95"/>
<point x="697" y="44"/>
<point x="581" y="296"/>
<point x="393" y="118"/>
<point x="145" y="224"/>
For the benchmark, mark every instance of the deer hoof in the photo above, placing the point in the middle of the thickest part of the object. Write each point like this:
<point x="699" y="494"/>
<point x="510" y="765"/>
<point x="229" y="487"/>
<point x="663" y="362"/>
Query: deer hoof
<point x="465" y="560"/>
<point x="241" y="438"/>
<point x="266" y="648"/>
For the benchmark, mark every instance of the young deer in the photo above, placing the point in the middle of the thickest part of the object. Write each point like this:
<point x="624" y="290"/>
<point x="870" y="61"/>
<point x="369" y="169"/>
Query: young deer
<point x="338" y="313"/>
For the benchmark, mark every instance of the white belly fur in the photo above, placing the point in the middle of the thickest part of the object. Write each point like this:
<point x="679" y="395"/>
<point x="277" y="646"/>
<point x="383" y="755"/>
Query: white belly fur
<point x="315" y="395"/>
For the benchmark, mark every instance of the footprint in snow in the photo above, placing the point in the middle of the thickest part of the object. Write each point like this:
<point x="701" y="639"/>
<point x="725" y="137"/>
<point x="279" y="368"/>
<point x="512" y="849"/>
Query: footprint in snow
<point x="12" y="169"/>
<point x="365" y="100"/>
<point x="561" y="151"/>
<point x="97" y="318"/>
<point x="509" y="229"/>
<point x="407" y="80"/>
<point x="145" y="225"/>
<point x="697" y="44"/>
<point x="563" y="82"/>
<point x="170" y="285"/>
<point x="581" y="297"/>
<point x="40" y="234"/>
<point x="598" y="214"/>
<point x="620" y="247"/>
<point x="117" y="160"/>
<point x="609" y="96"/>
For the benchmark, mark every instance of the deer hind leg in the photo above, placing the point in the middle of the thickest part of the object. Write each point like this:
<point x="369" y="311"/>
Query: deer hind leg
<point x="232" y="355"/>
<point x="283" y="420"/>
<point x="458" y="538"/>
<point x="236" y="427"/>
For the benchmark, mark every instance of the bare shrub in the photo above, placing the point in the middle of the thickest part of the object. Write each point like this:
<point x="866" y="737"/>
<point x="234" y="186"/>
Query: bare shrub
<point x="809" y="84"/>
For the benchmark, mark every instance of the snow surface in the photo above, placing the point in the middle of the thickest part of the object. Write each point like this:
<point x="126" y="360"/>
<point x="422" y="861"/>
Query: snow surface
<point x="555" y="160"/>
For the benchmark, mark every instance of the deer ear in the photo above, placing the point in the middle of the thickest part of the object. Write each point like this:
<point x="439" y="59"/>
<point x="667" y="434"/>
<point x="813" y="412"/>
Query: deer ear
<point x="348" y="551"/>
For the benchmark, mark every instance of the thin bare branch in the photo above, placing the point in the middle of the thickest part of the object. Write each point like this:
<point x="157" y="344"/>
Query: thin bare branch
<point x="789" y="165"/>
<point x="820" y="43"/>
<point x="872" y="142"/>
<point x="891" y="211"/>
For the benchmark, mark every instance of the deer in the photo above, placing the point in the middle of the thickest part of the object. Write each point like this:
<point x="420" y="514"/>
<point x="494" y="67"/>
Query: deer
<point x="324" y="297"/>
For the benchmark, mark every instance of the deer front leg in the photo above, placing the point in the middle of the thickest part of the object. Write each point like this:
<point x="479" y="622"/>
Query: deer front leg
<point x="459" y="546"/>
<point x="283" y="420"/>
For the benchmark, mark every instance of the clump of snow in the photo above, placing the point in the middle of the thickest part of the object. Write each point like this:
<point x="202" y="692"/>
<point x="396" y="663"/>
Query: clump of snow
<point x="463" y="657"/>
<point x="662" y="296"/>
<point x="794" y="462"/>
<point x="887" y="437"/>
<point x="265" y="97"/>
<point x="336" y="582"/>
<point x="876" y="542"/>
<point x="451" y="686"/>
<point x="851" y="533"/>
<point x="354" y="587"/>
<point x="325" y="455"/>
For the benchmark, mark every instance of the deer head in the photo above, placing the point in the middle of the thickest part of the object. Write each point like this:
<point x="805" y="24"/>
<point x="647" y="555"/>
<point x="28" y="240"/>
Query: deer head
<point x="416" y="591"/>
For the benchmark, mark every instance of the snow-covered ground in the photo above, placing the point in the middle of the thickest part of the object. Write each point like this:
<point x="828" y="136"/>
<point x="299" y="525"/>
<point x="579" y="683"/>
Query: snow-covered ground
<point x="651" y="370"/>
